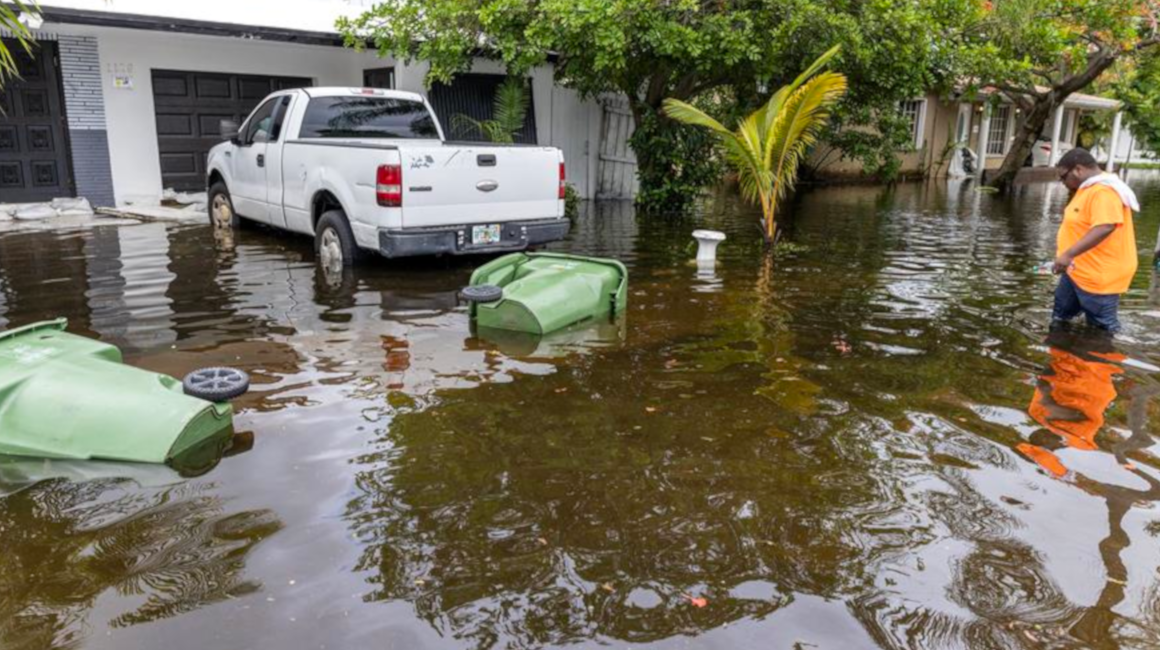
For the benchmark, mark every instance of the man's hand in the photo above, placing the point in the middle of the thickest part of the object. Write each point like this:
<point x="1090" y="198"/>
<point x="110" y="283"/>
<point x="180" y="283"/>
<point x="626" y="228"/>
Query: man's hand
<point x="1062" y="264"/>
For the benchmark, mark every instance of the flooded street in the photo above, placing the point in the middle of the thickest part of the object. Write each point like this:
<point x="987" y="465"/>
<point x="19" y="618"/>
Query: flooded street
<point x="870" y="441"/>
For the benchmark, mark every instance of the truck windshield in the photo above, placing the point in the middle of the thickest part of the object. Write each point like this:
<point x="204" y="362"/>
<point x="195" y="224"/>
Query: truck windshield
<point x="367" y="117"/>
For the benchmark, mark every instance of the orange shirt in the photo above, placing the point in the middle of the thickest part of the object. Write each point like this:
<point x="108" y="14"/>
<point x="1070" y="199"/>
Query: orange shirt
<point x="1108" y="268"/>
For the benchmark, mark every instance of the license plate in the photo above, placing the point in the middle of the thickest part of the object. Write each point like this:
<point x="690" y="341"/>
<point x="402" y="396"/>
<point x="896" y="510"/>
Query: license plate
<point x="485" y="234"/>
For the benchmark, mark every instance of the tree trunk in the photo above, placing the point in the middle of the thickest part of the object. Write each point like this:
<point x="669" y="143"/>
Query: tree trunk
<point x="1038" y="107"/>
<point x="1026" y="133"/>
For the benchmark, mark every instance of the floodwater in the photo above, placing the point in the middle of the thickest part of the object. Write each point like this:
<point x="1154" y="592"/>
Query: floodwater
<point x="869" y="441"/>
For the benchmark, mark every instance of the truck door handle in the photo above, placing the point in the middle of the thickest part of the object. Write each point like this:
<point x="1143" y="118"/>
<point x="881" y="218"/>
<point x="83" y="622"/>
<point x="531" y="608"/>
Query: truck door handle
<point x="261" y="160"/>
<point x="485" y="160"/>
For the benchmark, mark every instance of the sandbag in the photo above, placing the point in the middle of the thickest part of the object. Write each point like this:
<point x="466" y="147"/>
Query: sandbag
<point x="79" y="207"/>
<point x="35" y="212"/>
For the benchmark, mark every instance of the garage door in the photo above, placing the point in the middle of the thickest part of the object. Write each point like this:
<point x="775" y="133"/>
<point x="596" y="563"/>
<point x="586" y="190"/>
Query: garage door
<point x="190" y="107"/>
<point x="33" y="150"/>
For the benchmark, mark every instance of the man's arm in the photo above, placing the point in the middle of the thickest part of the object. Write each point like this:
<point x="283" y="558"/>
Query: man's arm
<point x="1090" y="240"/>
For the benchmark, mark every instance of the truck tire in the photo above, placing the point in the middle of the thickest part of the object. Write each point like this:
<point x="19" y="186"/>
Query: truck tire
<point x="221" y="208"/>
<point x="334" y="241"/>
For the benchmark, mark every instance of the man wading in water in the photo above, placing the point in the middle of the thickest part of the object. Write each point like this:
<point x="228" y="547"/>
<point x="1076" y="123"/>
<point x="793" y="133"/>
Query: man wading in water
<point x="1096" y="246"/>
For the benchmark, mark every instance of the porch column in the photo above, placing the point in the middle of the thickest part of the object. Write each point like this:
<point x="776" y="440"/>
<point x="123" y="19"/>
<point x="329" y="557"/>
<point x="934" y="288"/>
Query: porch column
<point x="984" y="130"/>
<point x="1056" y="128"/>
<point x="1115" y="143"/>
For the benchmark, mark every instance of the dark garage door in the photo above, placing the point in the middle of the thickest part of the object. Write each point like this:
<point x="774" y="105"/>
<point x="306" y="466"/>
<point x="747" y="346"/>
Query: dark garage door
<point x="33" y="150"/>
<point x="190" y="107"/>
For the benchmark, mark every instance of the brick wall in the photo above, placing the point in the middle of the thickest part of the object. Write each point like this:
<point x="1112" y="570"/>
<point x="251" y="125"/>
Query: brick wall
<point x="80" y="69"/>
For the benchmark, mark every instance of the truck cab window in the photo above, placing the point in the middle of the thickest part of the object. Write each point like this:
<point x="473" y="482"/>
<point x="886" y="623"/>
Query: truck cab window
<point x="261" y="123"/>
<point x="280" y="112"/>
<point x="367" y="117"/>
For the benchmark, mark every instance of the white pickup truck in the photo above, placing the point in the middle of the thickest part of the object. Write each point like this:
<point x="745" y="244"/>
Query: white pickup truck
<point x="366" y="169"/>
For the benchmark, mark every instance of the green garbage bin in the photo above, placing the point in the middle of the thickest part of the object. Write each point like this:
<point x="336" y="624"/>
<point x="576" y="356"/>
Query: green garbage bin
<point x="539" y="293"/>
<point x="67" y="396"/>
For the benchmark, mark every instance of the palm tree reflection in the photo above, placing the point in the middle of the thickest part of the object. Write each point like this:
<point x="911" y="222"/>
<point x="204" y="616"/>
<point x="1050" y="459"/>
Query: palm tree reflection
<point x="172" y="550"/>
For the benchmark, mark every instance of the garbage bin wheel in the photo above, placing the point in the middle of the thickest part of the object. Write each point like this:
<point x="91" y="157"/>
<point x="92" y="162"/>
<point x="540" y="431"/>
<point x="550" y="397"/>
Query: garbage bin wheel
<point x="481" y="293"/>
<point x="216" y="384"/>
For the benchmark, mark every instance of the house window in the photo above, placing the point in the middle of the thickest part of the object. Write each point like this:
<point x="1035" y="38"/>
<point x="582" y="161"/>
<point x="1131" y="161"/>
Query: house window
<point x="914" y="112"/>
<point x="997" y="135"/>
<point x="379" y="78"/>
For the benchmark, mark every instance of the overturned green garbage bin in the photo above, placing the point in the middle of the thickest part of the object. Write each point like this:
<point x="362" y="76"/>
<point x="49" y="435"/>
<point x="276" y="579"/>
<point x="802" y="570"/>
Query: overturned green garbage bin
<point x="67" y="396"/>
<point x="539" y="293"/>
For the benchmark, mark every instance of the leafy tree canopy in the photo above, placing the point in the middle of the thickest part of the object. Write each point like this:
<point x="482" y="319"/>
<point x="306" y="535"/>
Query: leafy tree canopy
<point x="1038" y="52"/>
<point x="652" y="50"/>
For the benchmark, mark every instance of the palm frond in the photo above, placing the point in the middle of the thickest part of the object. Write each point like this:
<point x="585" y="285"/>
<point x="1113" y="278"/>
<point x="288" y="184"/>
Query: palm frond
<point x="10" y="22"/>
<point x="774" y="106"/>
<point x="509" y="110"/>
<point x="689" y="114"/>
<point x="797" y="127"/>
<point x="511" y="105"/>
<point x="768" y="145"/>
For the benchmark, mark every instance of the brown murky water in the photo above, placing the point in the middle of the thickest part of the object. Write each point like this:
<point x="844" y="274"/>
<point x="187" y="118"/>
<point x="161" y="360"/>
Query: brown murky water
<point x="846" y="448"/>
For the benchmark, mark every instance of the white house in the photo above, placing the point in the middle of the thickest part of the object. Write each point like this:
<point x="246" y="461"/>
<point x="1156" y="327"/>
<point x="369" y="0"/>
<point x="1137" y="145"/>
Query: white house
<point x="125" y="98"/>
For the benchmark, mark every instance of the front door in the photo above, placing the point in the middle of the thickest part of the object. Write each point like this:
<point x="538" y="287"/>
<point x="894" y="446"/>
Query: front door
<point x="962" y="137"/>
<point x="34" y="161"/>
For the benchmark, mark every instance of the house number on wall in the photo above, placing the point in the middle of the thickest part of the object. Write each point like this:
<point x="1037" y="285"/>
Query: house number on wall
<point x="122" y="74"/>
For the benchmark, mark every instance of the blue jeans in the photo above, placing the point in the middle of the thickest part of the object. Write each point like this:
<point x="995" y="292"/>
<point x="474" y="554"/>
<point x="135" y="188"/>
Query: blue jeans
<point x="1100" y="310"/>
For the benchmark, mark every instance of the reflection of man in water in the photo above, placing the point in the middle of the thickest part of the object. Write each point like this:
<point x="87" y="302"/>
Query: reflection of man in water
<point x="1070" y="400"/>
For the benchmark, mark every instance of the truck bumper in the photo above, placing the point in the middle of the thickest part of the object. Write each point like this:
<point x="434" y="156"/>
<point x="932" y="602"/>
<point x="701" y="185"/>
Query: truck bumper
<point x="456" y="240"/>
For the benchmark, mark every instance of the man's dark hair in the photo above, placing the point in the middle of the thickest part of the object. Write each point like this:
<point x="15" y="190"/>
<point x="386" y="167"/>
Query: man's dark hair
<point x="1077" y="158"/>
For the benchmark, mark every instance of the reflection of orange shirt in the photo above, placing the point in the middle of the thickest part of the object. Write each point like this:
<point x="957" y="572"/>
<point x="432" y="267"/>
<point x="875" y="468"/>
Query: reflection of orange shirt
<point x="1046" y="459"/>
<point x="1108" y="268"/>
<point x="1083" y="389"/>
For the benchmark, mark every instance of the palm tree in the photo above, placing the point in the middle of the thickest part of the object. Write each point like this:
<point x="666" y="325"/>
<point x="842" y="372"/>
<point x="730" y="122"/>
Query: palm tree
<point x="508" y="112"/>
<point x="22" y="36"/>
<point x="768" y="146"/>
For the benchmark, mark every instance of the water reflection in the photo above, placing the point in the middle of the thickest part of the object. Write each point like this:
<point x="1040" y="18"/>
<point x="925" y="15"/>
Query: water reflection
<point x="164" y="551"/>
<point x="822" y="445"/>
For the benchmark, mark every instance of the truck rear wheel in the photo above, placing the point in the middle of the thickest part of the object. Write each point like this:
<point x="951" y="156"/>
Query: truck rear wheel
<point x="221" y="208"/>
<point x="334" y="241"/>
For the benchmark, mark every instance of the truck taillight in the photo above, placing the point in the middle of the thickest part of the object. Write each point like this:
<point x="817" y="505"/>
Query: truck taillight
<point x="389" y="186"/>
<point x="563" y="187"/>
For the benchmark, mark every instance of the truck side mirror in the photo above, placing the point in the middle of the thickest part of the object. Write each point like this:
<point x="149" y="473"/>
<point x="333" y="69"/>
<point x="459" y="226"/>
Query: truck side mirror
<point x="229" y="129"/>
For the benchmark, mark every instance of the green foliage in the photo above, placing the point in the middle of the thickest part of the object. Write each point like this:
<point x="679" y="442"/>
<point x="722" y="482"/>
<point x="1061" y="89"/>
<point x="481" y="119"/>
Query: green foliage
<point x="22" y="36"/>
<point x="1038" y="52"/>
<point x="1024" y="43"/>
<point x="891" y="51"/>
<point x="687" y="50"/>
<point x="769" y="145"/>
<point x="508" y="112"/>
<point x="571" y="202"/>
<point x="1138" y="86"/>
<point x="674" y="163"/>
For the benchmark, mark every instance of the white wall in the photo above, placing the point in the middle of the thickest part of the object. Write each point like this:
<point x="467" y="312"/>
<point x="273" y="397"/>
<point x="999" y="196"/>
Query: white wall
<point x="561" y="118"/>
<point x="129" y="114"/>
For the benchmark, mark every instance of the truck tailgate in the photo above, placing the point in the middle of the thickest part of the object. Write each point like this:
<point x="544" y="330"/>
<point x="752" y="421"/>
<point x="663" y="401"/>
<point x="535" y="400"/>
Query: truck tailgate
<point x="455" y="184"/>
